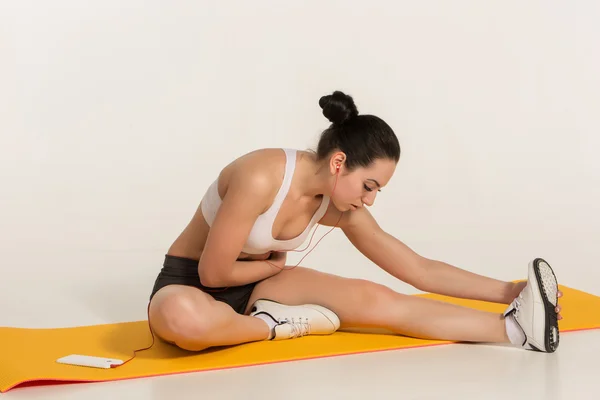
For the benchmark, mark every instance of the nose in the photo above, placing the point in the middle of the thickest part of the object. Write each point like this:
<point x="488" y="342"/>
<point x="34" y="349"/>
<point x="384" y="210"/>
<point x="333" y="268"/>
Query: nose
<point x="369" y="198"/>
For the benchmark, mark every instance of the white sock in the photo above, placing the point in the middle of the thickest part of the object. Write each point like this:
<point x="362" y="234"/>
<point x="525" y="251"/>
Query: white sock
<point x="271" y="323"/>
<point x="514" y="332"/>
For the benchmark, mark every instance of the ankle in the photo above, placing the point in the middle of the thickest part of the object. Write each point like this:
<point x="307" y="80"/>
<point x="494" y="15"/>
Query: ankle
<point x="269" y="322"/>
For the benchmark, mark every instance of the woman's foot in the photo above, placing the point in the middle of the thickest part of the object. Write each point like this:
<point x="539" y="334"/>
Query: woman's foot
<point x="532" y="321"/>
<point x="289" y="322"/>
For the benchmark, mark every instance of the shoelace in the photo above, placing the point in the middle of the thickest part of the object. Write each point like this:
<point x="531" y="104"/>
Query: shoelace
<point x="300" y="327"/>
<point x="517" y="303"/>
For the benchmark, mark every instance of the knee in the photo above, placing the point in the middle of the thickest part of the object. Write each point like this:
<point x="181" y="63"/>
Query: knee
<point x="179" y="319"/>
<point x="371" y="297"/>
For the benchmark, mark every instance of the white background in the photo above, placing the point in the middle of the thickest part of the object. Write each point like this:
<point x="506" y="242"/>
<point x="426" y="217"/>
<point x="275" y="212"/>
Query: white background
<point x="115" y="116"/>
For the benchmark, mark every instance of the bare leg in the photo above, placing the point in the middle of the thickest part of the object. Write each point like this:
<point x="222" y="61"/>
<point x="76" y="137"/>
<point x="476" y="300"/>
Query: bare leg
<point x="364" y="304"/>
<point x="193" y="320"/>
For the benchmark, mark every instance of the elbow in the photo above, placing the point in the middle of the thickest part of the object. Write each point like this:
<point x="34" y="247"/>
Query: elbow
<point x="421" y="285"/>
<point x="210" y="278"/>
<point x="211" y="281"/>
<point x="420" y="277"/>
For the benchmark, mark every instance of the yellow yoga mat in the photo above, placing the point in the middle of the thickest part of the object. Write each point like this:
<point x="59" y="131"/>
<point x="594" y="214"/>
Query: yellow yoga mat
<point x="28" y="356"/>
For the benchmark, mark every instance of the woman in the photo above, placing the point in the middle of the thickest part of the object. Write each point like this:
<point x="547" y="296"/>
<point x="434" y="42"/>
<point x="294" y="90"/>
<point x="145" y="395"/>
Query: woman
<point x="224" y="280"/>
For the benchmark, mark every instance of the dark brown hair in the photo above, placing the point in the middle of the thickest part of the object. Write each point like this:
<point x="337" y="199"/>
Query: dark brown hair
<point x="363" y="138"/>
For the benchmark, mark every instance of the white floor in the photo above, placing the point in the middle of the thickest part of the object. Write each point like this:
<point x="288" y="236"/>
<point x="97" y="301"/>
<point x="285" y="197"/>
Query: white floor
<point x="107" y="109"/>
<point x="40" y="296"/>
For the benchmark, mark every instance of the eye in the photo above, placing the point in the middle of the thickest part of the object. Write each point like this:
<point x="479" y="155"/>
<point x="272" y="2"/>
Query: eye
<point x="368" y="189"/>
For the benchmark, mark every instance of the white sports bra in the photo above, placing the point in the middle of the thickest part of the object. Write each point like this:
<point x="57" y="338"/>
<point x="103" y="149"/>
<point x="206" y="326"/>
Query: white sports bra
<point x="260" y="240"/>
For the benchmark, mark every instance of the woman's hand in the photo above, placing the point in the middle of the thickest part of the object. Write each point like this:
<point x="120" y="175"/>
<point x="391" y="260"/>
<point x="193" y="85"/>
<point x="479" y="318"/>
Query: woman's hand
<point x="278" y="258"/>
<point x="275" y="258"/>
<point x="254" y="257"/>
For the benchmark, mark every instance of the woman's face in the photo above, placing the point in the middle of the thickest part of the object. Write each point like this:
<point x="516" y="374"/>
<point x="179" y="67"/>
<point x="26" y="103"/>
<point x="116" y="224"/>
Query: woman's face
<point x="360" y="187"/>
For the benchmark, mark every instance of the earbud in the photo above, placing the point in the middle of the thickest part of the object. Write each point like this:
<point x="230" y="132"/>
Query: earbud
<point x="337" y="168"/>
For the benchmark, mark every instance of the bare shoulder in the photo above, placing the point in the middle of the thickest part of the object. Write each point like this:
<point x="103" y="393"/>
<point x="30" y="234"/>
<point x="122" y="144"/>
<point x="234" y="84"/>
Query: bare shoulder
<point x="258" y="174"/>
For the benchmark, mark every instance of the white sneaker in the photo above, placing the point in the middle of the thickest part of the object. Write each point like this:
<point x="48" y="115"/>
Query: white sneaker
<point x="534" y="309"/>
<point x="297" y="321"/>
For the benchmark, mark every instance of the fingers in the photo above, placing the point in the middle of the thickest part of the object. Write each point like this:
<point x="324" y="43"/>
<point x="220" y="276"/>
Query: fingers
<point x="557" y="309"/>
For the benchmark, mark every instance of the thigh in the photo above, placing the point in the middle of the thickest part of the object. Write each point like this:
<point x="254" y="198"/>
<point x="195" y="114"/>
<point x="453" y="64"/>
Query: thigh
<point x="355" y="301"/>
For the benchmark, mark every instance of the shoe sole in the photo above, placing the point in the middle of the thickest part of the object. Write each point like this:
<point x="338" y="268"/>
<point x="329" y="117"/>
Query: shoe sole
<point x="327" y="313"/>
<point x="548" y="286"/>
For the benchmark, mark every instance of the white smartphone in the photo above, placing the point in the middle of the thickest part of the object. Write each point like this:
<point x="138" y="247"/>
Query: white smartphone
<point x="89" y="361"/>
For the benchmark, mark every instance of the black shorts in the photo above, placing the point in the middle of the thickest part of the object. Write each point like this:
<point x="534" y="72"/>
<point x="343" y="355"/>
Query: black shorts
<point x="184" y="271"/>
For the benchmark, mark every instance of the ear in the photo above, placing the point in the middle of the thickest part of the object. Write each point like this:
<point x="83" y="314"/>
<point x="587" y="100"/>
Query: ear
<point x="336" y="162"/>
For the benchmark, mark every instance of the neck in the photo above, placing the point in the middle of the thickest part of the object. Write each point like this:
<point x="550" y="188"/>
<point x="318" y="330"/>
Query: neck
<point x="315" y="177"/>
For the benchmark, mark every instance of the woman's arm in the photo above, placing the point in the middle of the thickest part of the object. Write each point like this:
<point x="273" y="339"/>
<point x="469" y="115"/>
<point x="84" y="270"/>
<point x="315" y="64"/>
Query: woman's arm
<point x="244" y="272"/>
<point x="424" y="274"/>
<point x="250" y="189"/>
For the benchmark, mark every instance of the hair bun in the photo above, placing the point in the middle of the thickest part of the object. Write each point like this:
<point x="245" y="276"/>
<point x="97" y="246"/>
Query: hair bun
<point x="338" y="107"/>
